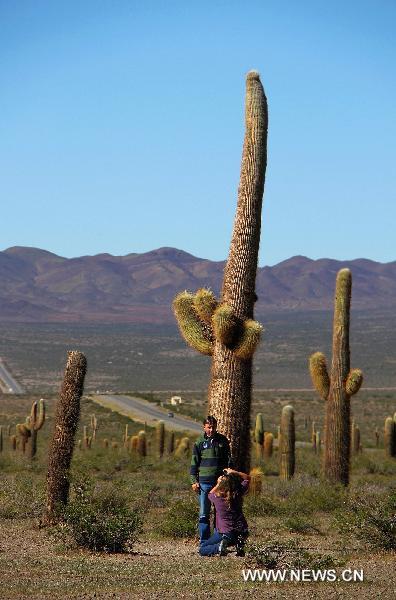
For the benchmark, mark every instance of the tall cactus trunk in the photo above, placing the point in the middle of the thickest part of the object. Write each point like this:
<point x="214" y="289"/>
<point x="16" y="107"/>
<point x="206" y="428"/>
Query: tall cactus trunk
<point x="337" y="420"/>
<point x="62" y="443"/>
<point x="231" y="376"/>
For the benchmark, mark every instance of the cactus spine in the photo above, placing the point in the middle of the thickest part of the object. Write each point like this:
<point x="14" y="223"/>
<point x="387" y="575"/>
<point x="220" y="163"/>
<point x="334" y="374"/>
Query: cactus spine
<point x="227" y="330"/>
<point x="288" y="439"/>
<point x="62" y="443"/>
<point x="337" y="389"/>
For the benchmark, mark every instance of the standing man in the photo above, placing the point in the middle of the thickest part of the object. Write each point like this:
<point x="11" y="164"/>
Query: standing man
<point x="211" y="455"/>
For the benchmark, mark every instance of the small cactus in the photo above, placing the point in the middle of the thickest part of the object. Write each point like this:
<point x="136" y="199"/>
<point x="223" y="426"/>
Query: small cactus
<point x="355" y="438"/>
<point x="317" y="442"/>
<point x="105" y="443"/>
<point x="134" y="443"/>
<point x="183" y="447"/>
<point x="256" y="482"/>
<point x="259" y="435"/>
<point x="268" y="444"/>
<point x="142" y="444"/>
<point x="160" y="437"/>
<point x="125" y="439"/>
<point x="377" y="437"/>
<point x="94" y="426"/>
<point x="171" y="442"/>
<point x="287" y="450"/>
<point x="389" y="437"/>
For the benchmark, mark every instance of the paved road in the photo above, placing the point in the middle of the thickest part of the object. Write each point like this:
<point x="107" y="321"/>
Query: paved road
<point x="143" y="411"/>
<point x="8" y="384"/>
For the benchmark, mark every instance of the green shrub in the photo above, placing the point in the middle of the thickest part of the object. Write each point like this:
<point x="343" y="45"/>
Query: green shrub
<point x="319" y="496"/>
<point x="21" y="496"/>
<point x="260" y="506"/>
<point x="101" y="521"/>
<point x="180" y="521"/>
<point x="286" y="555"/>
<point x="371" y="518"/>
<point x="297" y="524"/>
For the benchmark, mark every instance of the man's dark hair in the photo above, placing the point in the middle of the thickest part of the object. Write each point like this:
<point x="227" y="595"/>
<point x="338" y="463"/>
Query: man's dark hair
<point x="210" y="420"/>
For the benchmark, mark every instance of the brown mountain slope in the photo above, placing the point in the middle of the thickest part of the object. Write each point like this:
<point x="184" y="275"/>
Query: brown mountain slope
<point x="39" y="286"/>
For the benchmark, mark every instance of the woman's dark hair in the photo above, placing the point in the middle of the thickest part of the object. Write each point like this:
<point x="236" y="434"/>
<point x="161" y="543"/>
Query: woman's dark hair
<point x="210" y="420"/>
<point x="230" y="488"/>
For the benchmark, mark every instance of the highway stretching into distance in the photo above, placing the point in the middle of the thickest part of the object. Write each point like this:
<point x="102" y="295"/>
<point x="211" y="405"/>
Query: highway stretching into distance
<point x="146" y="412"/>
<point x="8" y="385"/>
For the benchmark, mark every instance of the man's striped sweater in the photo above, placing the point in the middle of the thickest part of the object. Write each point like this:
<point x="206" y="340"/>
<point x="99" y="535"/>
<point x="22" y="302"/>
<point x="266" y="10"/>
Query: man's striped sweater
<point x="209" y="457"/>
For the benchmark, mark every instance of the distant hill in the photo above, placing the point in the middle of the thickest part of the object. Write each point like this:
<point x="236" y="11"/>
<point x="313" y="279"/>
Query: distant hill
<point x="38" y="286"/>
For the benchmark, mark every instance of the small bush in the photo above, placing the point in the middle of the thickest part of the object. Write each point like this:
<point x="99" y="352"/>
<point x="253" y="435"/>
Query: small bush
<point x="320" y="496"/>
<point x="260" y="506"/>
<point x="297" y="524"/>
<point x="371" y="518"/>
<point x="21" y="497"/>
<point x="180" y="520"/>
<point x="286" y="555"/>
<point x="101" y="521"/>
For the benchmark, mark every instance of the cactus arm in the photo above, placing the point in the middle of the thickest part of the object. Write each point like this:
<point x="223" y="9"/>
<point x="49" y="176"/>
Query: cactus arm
<point x="224" y="324"/>
<point x="249" y="339"/>
<point x="319" y="374"/>
<point x="205" y="304"/>
<point x="193" y="330"/>
<point x="353" y="382"/>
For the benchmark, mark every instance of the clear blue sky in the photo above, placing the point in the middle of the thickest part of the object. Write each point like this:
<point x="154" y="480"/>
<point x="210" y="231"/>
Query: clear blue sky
<point x="121" y="125"/>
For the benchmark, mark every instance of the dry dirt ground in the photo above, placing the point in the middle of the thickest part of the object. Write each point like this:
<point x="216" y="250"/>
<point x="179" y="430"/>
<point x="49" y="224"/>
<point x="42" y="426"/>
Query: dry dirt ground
<point x="32" y="566"/>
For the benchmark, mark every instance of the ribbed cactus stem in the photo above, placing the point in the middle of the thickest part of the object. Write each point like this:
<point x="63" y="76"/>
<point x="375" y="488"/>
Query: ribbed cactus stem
<point x="389" y="437"/>
<point x="288" y="439"/>
<point x="62" y="443"/>
<point x="268" y="444"/>
<point x="160" y="435"/>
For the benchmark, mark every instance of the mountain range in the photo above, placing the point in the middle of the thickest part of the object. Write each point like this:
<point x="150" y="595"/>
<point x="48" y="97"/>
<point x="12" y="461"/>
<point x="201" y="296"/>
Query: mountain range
<point x="39" y="286"/>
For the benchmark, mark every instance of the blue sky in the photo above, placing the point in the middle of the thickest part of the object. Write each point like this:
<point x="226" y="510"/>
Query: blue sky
<point x="121" y="125"/>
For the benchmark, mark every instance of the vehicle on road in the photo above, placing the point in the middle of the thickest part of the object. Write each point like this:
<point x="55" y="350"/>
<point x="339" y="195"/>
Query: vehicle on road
<point x="170" y="414"/>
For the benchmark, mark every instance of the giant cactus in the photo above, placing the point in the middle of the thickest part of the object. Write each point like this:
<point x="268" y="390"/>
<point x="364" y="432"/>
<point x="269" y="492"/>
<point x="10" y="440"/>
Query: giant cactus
<point x="62" y="443"/>
<point x="287" y="444"/>
<point x="226" y="329"/>
<point x="337" y="388"/>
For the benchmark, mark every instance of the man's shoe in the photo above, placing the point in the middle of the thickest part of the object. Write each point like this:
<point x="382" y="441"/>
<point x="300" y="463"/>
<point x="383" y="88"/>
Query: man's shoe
<point x="223" y="547"/>
<point x="240" y="545"/>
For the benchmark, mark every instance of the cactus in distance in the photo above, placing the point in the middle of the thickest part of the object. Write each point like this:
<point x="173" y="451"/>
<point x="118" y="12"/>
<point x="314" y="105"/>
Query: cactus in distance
<point x="268" y="444"/>
<point x="259" y="435"/>
<point x="390" y="437"/>
<point x="160" y="437"/>
<point x="337" y="388"/>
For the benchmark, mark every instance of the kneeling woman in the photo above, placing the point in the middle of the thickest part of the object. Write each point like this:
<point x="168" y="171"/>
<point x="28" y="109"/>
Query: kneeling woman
<point x="231" y="525"/>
